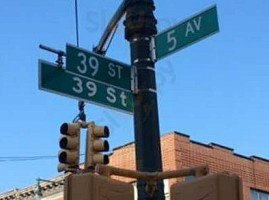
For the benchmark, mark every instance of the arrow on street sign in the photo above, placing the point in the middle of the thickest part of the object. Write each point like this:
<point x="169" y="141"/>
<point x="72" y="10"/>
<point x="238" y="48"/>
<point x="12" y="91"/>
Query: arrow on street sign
<point x="59" y="81"/>
<point x="186" y="33"/>
<point x="97" y="67"/>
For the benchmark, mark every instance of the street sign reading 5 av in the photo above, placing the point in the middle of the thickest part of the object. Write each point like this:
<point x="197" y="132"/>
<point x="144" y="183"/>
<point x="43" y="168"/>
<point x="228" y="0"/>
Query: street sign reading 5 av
<point x="192" y="30"/>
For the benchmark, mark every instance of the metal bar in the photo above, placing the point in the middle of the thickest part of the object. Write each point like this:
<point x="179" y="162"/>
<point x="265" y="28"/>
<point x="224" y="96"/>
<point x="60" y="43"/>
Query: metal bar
<point x="76" y="13"/>
<point x="195" y="171"/>
<point x="151" y="176"/>
<point x="111" y="26"/>
<point x="109" y="171"/>
<point x="59" y="52"/>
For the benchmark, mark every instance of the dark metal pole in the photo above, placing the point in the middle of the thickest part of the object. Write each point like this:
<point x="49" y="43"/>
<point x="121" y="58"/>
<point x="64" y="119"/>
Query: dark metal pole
<point x="140" y="27"/>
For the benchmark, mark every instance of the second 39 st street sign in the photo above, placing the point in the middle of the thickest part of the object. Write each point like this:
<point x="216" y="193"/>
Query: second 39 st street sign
<point x="59" y="81"/>
<point x="97" y="67"/>
<point x="192" y="30"/>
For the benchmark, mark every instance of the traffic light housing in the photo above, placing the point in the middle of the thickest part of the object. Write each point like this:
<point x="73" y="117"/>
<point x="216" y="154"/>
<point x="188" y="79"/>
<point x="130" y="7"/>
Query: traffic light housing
<point x="220" y="186"/>
<point x="89" y="186"/>
<point x="70" y="145"/>
<point x="95" y="145"/>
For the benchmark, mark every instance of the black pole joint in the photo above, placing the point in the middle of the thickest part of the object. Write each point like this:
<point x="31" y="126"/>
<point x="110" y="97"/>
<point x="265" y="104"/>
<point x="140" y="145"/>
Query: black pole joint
<point x="140" y="20"/>
<point x="82" y="115"/>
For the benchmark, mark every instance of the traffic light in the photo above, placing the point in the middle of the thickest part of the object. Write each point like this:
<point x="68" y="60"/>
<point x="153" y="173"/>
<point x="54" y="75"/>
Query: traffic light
<point x="70" y="144"/>
<point x="95" y="145"/>
<point x="220" y="186"/>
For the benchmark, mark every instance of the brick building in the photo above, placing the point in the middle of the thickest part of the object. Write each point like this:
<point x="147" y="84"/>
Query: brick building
<point x="179" y="152"/>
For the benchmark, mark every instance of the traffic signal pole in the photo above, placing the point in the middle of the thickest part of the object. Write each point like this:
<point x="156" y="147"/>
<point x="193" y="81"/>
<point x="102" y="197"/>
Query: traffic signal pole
<point x="140" y="27"/>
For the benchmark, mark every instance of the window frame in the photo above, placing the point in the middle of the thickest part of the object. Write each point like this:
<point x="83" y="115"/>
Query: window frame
<point x="258" y="193"/>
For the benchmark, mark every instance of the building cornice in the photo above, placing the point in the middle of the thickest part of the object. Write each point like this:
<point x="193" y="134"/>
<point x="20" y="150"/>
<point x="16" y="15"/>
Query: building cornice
<point x="47" y="188"/>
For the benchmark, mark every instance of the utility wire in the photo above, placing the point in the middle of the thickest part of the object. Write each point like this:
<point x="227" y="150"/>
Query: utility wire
<point x="21" y="160"/>
<point x="76" y="13"/>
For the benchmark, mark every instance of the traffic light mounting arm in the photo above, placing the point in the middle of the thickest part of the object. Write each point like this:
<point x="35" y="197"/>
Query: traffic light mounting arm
<point x="151" y="177"/>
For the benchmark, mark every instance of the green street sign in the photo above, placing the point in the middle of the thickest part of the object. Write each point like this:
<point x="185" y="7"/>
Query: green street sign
<point x="186" y="33"/>
<point x="59" y="81"/>
<point x="97" y="67"/>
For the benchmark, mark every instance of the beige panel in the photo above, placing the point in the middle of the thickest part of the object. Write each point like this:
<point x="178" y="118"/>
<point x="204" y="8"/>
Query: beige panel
<point x="89" y="186"/>
<point x="219" y="186"/>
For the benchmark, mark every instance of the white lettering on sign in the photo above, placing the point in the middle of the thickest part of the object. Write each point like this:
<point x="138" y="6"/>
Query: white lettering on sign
<point x="171" y="39"/>
<point x="197" y="24"/>
<point x="114" y="70"/>
<point x="83" y="67"/>
<point x="123" y="99"/>
<point x="112" y="97"/>
<point x="111" y="70"/>
<point x="78" y="89"/>
<point x="93" y="63"/>
<point x="193" y="26"/>
<point x="92" y="88"/>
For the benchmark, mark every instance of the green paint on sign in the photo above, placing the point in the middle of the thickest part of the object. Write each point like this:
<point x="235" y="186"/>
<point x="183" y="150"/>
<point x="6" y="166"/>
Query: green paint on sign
<point x="97" y="67"/>
<point x="187" y="33"/>
<point x="57" y="80"/>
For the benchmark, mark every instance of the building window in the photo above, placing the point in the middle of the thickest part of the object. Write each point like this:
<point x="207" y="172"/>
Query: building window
<point x="166" y="189"/>
<point x="189" y="178"/>
<point x="258" y="195"/>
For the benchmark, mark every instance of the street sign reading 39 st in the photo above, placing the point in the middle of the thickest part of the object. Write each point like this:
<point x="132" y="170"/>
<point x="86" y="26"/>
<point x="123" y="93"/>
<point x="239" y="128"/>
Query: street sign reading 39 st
<point x="97" y="67"/>
<point x="59" y="81"/>
<point x="192" y="30"/>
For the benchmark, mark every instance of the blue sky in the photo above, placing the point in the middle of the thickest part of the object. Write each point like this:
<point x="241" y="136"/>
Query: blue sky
<point x="214" y="91"/>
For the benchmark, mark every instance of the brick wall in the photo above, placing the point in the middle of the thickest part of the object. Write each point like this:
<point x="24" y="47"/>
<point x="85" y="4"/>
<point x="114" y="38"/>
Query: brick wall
<point x="124" y="157"/>
<point x="179" y="152"/>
